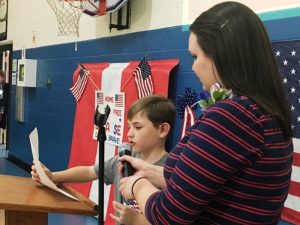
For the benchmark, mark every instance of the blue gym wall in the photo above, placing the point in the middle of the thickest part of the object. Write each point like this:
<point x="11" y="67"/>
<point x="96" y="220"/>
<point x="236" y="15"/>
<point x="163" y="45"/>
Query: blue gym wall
<point x="52" y="109"/>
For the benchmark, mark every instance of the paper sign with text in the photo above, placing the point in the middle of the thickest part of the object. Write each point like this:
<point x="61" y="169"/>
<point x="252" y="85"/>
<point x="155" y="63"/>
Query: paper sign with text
<point x="115" y="123"/>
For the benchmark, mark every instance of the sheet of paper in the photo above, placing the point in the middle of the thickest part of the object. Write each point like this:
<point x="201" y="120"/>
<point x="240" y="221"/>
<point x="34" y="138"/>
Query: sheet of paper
<point x="34" y="142"/>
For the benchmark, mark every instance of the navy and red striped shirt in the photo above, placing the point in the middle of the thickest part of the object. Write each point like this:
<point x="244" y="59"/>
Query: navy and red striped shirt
<point x="232" y="167"/>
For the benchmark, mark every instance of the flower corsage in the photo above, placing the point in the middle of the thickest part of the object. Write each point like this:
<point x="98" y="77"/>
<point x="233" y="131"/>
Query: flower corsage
<point x="216" y="93"/>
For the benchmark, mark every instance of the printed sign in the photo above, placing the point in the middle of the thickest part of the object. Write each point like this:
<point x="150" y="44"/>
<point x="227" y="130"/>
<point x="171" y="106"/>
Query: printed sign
<point x="115" y="123"/>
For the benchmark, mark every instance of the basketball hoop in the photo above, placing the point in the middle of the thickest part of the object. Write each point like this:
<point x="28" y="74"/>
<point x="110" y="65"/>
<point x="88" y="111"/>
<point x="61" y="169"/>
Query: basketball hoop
<point x="68" y="13"/>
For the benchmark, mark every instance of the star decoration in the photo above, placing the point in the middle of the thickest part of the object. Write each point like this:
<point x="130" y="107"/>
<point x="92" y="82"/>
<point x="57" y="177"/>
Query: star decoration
<point x="293" y="71"/>
<point x="293" y="90"/>
<point x="188" y="99"/>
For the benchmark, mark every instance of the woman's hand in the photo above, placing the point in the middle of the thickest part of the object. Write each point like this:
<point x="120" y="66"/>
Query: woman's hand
<point x="126" y="184"/>
<point x="144" y="169"/>
<point x="139" y="165"/>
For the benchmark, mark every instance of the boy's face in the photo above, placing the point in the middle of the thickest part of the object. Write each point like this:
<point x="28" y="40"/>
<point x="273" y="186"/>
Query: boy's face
<point x="142" y="135"/>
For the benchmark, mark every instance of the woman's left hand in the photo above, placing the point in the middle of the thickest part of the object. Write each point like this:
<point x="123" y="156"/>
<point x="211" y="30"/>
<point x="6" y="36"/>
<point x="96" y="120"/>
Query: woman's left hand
<point x="126" y="186"/>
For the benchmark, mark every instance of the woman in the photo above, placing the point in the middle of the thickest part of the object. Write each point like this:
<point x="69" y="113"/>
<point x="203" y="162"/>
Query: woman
<point x="234" y="164"/>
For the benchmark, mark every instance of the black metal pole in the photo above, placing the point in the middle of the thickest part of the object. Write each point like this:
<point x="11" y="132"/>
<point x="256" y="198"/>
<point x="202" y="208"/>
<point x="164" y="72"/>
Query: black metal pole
<point x="100" y="121"/>
<point x="101" y="140"/>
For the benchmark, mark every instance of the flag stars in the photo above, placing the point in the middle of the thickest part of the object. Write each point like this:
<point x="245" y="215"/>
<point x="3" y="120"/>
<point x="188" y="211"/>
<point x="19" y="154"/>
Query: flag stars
<point x="285" y="81"/>
<point x="293" y="52"/>
<point x="285" y="62"/>
<point x="298" y="118"/>
<point x="293" y="90"/>
<point x="292" y="108"/>
<point x="293" y="71"/>
<point x="298" y="100"/>
<point x="277" y="53"/>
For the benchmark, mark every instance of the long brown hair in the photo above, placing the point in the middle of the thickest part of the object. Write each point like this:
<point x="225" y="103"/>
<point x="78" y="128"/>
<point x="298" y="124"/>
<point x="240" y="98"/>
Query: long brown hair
<point x="236" y="40"/>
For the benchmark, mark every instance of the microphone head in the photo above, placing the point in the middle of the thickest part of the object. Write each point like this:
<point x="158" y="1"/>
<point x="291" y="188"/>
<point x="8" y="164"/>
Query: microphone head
<point x="125" y="149"/>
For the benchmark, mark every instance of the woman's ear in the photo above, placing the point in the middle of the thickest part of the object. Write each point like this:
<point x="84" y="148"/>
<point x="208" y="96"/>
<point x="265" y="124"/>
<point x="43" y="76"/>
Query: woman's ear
<point x="164" y="130"/>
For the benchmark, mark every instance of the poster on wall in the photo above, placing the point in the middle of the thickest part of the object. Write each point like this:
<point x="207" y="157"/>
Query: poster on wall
<point x="3" y="19"/>
<point x="115" y="122"/>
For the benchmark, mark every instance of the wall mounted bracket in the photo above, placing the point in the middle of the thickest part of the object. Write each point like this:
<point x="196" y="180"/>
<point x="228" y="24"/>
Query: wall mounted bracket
<point x="119" y="25"/>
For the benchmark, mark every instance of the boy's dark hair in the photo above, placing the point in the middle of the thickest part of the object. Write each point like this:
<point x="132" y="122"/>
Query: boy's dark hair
<point x="158" y="110"/>
<point x="234" y="37"/>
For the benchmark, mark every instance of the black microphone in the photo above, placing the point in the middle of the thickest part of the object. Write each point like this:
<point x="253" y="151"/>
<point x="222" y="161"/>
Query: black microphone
<point x="125" y="149"/>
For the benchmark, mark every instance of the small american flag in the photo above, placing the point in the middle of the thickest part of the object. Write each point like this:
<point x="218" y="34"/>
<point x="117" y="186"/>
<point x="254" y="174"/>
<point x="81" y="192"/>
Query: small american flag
<point x="143" y="80"/>
<point x="79" y="86"/>
<point x="288" y="58"/>
<point x="100" y="98"/>
<point x="188" y="120"/>
<point x="132" y="203"/>
<point x="119" y="100"/>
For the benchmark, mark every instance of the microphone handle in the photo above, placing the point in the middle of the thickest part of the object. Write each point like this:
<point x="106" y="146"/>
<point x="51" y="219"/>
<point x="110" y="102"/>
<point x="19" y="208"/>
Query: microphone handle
<point x="127" y="169"/>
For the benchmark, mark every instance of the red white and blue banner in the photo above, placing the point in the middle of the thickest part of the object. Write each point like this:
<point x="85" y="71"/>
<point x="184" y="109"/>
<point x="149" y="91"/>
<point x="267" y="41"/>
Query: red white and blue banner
<point x="112" y="79"/>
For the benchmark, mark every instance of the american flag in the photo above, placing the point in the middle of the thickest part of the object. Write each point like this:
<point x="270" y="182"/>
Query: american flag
<point x="188" y="120"/>
<point x="100" y="98"/>
<point x="119" y="100"/>
<point x="143" y="80"/>
<point x="288" y="58"/>
<point x="79" y="86"/>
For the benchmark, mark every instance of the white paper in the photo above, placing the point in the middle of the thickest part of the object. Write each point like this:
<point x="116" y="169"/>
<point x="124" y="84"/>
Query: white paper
<point x="34" y="142"/>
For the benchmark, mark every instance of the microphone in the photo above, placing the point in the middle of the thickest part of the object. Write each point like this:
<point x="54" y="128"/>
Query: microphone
<point x="125" y="149"/>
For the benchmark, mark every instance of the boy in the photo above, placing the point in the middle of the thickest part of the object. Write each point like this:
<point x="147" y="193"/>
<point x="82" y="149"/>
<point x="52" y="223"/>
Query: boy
<point x="150" y="120"/>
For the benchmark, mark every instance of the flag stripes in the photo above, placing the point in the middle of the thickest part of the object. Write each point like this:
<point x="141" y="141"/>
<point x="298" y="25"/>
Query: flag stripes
<point x="80" y="84"/>
<point x="118" y="100"/>
<point x="188" y="120"/>
<point x="287" y="55"/>
<point x="100" y="98"/>
<point x="143" y="80"/>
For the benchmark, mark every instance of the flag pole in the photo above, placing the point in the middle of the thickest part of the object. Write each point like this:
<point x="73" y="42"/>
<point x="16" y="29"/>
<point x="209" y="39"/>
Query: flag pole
<point x="93" y="82"/>
<point x="127" y="81"/>
<point x="88" y="75"/>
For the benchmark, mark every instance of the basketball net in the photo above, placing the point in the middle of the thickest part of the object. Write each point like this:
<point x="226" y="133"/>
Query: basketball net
<point x="68" y="13"/>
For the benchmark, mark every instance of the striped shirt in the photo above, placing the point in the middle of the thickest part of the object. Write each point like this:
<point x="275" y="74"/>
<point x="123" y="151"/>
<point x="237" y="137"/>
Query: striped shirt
<point x="232" y="167"/>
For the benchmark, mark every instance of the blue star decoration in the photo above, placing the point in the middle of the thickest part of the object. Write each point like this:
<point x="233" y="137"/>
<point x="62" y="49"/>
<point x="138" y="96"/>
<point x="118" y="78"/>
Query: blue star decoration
<point x="188" y="99"/>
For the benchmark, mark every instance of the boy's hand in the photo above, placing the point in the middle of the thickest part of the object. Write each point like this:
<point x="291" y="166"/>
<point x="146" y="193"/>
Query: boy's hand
<point x="127" y="215"/>
<point x="36" y="177"/>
